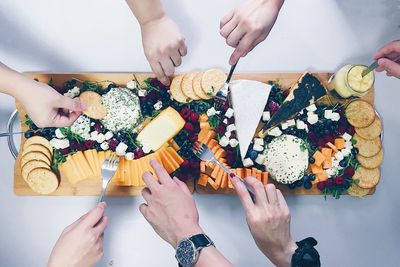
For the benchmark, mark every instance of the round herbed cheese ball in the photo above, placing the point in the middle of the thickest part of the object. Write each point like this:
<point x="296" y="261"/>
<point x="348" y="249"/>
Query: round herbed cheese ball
<point x="286" y="159"/>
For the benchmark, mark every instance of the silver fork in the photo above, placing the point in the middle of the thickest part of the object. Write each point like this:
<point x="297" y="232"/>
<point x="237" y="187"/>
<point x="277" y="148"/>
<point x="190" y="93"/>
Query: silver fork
<point x="222" y="95"/>
<point x="108" y="169"/>
<point x="203" y="152"/>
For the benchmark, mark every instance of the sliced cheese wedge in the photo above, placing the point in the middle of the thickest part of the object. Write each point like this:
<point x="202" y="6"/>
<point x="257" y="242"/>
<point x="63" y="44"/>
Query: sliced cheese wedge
<point x="248" y="101"/>
<point x="161" y="129"/>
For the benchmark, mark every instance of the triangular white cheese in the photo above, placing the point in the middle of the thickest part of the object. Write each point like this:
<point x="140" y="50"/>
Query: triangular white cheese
<point x="248" y="101"/>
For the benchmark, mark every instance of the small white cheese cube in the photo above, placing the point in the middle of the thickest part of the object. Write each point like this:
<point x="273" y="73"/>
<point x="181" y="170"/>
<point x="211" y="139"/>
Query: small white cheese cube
<point x="266" y="116"/>
<point x="233" y="142"/>
<point x="59" y="134"/>
<point x="349" y="145"/>
<point x="259" y="141"/>
<point x="275" y="132"/>
<point x="224" y="141"/>
<point x="158" y="105"/>
<point x="300" y="125"/>
<point x="108" y="135"/>
<point x="258" y="148"/>
<point x="146" y="149"/>
<point x="104" y="146"/>
<point x="306" y="128"/>
<point x="131" y="84"/>
<point x="291" y="123"/>
<point x="225" y="121"/>
<point x="211" y="112"/>
<point x="313" y="119"/>
<point x="312" y="108"/>
<point x="347" y="136"/>
<point x="129" y="156"/>
<point x="100" y="138"/>
<point x="230" y="128"/>
<point x="335" y="163"/>
<point x="335" y="116"/>
<point x="75" y="90"/>
<point x="339" y="156"/>
<point x="330" y="172"/>
<point x="301" y="112"/>
<point x="142" y="92"/>
<point x="328" y="114"/>
<point x="247" y="162"/>
<point x="121" y="149"/>
<point x="260" y="159"/>
<point x="284" y="126"/>
<point x="229" y="113"/>
<point x="346" y="152"/>
<point x="93" y="135"/>
<point x="228" y="134"/>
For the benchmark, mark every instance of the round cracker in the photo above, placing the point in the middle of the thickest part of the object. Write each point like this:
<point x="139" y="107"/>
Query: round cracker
<point x="93" y="105"/>
<point x="197" y="86"/>
<point x="187" y="86"/>
<point x="212" y="81"/>
<point x="368" y="177"/>
<point x="38" y="148"/>
<point x="357" y="191"/>
<point x="360" y="113"/>
<point x="42" y="181"/>
<point x="372" y="162"/>
<point x="35" y="155"/>
<point x="371" y="132"/>
<point x="367" y="148"/>
<point x="31" y="165"/>
<point x="176" y="90"/>
<point x="39" y="140"/>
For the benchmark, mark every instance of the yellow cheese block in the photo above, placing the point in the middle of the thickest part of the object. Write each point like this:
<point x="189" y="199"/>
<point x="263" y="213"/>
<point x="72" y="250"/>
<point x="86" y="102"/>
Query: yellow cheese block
<point x="90" y="160"/>
<point x="161" y="129"/>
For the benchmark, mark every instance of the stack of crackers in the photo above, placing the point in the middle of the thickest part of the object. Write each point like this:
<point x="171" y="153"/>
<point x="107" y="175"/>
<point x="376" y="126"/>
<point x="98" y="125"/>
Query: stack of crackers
<point x="368" y="128"/>
<point x="36" y="159"/>
<point x="197" y="85"/>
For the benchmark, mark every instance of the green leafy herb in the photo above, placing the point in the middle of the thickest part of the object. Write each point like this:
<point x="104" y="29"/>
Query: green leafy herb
<point x="71" y="135"/>
<point x="200" y="107"/>
<point x="29" y="122"/>
<point x="91" y="86"/>
<point x="214" y="121"/>
<point x="58" y="158"/>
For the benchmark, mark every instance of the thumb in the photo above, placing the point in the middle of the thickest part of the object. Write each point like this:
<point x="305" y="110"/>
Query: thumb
<point x="71" y="104"/>
<point x="392" y="68"/>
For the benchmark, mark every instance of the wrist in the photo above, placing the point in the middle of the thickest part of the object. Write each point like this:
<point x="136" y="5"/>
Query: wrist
<point x="283" y="256"/>
<point x="276" y="3"/>
<point x="183" y="233"/>
<point x="152" y="18"/>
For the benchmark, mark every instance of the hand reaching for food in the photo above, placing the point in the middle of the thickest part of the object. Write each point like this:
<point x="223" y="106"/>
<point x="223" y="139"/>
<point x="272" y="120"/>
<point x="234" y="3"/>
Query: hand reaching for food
<point x="248" y="25"/>
<point x="389" y="59"/>
<point x="81" y="243"/>
<point x="44" y="105"/>
<point x="163" y="43"/>
<point x="268" y="219"/>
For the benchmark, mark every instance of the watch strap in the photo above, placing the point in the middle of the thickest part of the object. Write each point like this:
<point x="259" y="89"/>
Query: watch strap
<point x="306" y="255"/>
<point x="201" y="241"/>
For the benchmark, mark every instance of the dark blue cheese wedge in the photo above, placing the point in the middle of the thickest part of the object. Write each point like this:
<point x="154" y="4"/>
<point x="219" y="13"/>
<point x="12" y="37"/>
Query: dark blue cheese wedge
<point x="286" y="160"/>
<point x="304" y="93"/>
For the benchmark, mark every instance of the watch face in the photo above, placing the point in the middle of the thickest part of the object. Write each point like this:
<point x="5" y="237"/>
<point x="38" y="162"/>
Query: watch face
<point x="186" y="253"/>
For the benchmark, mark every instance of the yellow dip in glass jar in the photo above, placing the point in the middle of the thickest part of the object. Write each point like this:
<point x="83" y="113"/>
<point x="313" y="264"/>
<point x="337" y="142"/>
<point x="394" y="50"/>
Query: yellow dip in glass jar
<point x="348" y="81"/>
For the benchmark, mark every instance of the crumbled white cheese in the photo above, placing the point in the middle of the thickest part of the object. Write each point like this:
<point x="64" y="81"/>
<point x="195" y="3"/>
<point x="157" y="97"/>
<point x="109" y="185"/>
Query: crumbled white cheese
<point x="291" y="123"/>
<point x="347" y="136"/>
<point x="258" y="148"/>
<point x="300" y="125"/>
<point x="313" y="119"/>
<point x="335" y="163"/>
<point x="121" y="149"/>
<point x="131" y="84"/>
<point x="229" y="113"/>
<point x="100" y="138"/>
<point x="228" y="134"/>
<point x="108" y="135"/>
<point x="146" y="149"/>
<point x="259" y="141"/>
<point x="158" y="105"/>
<point x="275" y="132"/>
<point x="339" y="156"/>
<point x="260" y="159"/>
<point x="233" y="142"/>
<point x="81" y="127"/>
<point x="59" y="134"/>
<point x="142" y="92"/>
<point x="59" y="143"/>
<point x="93" y="135"/>
<point x="311" y="108"/>
<point x="346" y="152"/>
<point x="72" y="93"/>
<point x="328" y="114"/>
<point x="104" y="146"/>
<point x="331" y="171"/>
<point x="225" y="121"/>
<point x="335" y="116"/>
<point x="224" y="141"/>
<point x="284" y="126"/>
<point x="349" y="145"/>
<point x="129" y="156"/>
<point x="230" y="128"/>
<point x="266" y="116"/>
<point x="211" y="112"/>
<point x="247" y="162"/>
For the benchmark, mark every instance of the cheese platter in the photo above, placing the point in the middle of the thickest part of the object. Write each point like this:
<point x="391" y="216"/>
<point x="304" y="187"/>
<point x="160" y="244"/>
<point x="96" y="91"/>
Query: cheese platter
<point x="138" y="118"/>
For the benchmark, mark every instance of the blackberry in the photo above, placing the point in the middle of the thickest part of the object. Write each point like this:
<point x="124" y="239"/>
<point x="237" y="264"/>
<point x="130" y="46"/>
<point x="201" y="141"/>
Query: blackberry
<point x="292" y="186"/>
<point x="29" y="134"/>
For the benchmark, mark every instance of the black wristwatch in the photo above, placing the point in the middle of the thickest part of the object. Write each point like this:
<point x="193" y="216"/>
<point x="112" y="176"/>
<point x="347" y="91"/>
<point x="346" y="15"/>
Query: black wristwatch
<point x="306" y="255"/>
<point x="188" y="250"/>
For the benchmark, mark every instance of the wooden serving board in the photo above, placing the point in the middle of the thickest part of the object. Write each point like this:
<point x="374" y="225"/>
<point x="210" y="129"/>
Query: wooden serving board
<point x="92" y="187"/>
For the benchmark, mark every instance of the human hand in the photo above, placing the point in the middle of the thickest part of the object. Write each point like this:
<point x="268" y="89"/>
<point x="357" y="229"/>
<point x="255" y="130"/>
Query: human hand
<point x="268" y="219"/>
<point x="248" y="25"/>
<point x="81" y="243"/>
<point x="170" y="208"/>
<point x="164" y="46"/>
<point x="389" y="59"/>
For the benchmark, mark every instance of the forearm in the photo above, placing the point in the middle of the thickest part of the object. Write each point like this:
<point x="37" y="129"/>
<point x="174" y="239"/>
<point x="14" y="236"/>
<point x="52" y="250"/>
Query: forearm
<point x="146" y="10"/>
<point x="210" y="257"/>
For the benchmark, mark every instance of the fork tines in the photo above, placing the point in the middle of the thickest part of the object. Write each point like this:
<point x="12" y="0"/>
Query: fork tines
<point x="112" y="161"/>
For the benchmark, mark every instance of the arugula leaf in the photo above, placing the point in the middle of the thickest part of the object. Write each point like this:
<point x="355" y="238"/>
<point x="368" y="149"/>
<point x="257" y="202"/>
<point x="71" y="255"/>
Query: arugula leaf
<point x="214" y="121"/>
<point x="58" y="158"/>
<point x="71" y="135"/>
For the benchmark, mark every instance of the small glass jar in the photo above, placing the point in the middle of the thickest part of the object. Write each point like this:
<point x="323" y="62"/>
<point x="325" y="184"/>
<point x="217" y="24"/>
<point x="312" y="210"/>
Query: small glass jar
<point x="348" y="81"/>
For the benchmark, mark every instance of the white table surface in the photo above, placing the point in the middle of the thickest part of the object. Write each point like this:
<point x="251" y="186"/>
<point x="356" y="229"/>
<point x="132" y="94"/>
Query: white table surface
<point x="102" y="35"/>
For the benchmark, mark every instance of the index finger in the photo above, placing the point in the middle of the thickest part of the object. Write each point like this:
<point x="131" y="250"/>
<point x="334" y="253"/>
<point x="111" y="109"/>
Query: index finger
<point x="161" y="172"/>
<point x="393" y="47"/>
<point x="94" y="216"/>
<point x="243" y="194"/>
